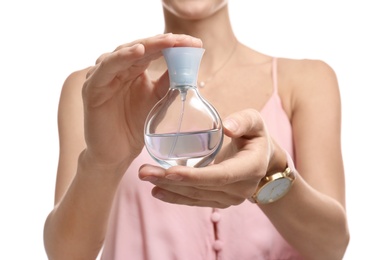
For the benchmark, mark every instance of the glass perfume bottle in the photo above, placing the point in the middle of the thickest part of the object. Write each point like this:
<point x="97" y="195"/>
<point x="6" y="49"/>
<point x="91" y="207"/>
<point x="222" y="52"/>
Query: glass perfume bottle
<point x="183" y="128"/>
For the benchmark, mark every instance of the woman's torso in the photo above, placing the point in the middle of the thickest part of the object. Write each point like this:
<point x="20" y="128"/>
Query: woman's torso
<point x="142" y="227"/>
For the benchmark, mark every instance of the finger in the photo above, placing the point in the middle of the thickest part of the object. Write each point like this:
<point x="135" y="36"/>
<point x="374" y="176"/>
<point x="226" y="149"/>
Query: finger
<point x="155" y="45"/>
<point x="241" y="167"/>
<point x="162" y="85"/>
<point x="165" y="41"/>
<point x="90" y="71"/>
<point x="189" y="199"/>
<point x="247" y="123"/>
<point x="111" y="72"/>
<point x="133" y="55"/>
<point x="214" y="177"/>
<point x="229" y="194"/>
<point x="148" y="172"/>
<point x="101" y="57"/>
<point x="115" y="62"/>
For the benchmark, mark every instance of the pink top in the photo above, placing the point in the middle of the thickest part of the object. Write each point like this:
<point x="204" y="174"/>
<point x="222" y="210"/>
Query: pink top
<point x="142" y="227"/>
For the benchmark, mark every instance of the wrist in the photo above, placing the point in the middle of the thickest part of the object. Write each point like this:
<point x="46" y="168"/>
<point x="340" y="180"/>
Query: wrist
<point x="278" y="161"/>
<point x="94" y="165"/>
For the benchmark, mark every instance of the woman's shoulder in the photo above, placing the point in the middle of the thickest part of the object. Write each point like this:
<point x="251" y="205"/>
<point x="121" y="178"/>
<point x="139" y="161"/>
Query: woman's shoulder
<point x="76" y="78"/>
<point x="305" y="72"/>
<point x="291" y="68"/>
<point x="302" y="82"/>
<point x="303" y="68"/>
<point x="72" y="89"/>
<point x="73" y="84"/>
<point x="306" y="82"/>
<point x="305" y="75"/>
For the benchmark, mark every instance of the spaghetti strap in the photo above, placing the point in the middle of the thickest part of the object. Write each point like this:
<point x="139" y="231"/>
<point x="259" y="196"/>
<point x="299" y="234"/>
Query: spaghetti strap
<point x="274" y="74"/>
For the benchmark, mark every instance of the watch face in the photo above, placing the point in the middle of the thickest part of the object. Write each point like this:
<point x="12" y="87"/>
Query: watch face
<point x="273" y="190"/>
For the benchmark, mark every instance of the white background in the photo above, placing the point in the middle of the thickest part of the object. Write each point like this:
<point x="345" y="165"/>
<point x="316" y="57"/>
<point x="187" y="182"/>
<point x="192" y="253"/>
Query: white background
<point x="43" y="41"/>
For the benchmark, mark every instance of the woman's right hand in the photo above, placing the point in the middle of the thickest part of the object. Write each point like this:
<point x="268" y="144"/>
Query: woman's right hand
<point x="117" y="96"/>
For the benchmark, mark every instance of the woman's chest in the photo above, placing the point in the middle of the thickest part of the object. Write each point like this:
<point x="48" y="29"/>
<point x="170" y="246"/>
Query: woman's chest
<point x="230" y="100"/>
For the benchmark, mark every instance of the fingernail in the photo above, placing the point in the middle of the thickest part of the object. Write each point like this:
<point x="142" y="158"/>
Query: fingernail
<point x="230" y="124"/>
<point x="150" y="178"/>
<point x="159" y="195"/>
<point x="197" y="41"/>
<point x="174" y="177"/>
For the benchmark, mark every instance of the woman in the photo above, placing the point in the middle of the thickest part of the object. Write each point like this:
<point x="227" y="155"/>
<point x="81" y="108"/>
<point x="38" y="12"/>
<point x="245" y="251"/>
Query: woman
<point x="280" y="116"/>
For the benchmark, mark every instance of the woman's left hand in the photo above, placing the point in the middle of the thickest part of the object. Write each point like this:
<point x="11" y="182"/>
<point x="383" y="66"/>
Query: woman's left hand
<point x="233" y="177"/>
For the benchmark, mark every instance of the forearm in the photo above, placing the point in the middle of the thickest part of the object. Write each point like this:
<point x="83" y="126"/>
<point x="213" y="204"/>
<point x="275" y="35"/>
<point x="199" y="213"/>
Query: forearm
<point x="311" y="222"/>
<point x="75" y="229"/>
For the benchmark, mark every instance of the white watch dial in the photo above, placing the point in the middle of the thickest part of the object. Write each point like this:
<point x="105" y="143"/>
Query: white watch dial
<point x="274" y="190"/>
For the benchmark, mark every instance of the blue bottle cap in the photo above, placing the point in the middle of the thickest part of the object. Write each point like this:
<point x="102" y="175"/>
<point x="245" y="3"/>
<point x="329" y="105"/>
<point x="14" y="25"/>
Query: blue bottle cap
<point x="183" y="64"/>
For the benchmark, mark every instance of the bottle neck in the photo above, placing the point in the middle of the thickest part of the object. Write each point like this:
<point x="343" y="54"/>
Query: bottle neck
<point x="183" y="89"/>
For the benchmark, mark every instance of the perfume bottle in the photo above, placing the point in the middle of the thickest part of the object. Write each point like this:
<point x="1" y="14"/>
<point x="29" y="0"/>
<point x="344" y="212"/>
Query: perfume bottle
<point x="183" y="128"/>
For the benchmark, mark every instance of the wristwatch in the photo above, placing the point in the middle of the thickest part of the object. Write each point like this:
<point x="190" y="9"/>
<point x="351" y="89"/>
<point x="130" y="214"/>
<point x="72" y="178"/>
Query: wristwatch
<point x="275" y="186"/>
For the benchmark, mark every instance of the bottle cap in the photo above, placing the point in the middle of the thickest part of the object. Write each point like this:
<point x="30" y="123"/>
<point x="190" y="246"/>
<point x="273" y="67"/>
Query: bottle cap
<point x="183" y="64"/>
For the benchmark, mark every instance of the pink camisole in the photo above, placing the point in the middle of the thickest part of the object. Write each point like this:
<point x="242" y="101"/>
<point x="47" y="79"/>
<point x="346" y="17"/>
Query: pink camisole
<point x="142" y="227"/>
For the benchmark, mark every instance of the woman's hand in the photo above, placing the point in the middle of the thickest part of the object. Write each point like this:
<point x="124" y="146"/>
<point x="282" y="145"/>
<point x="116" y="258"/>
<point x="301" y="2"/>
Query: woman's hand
<point x="117" y="96"/>
<point x="235" y="175"/>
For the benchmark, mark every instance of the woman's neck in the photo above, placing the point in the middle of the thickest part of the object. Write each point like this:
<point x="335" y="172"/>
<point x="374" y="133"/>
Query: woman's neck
<point x="216" y="33"/>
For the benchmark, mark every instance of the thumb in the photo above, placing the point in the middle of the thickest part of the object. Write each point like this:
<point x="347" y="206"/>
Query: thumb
<point x="246" y="123"/>
<point x="162" y="85"/>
